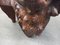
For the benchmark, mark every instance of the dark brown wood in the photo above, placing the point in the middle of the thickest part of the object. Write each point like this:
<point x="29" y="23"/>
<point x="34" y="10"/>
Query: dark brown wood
<point x="9" y="11"/>
<point x="33" y="16"/>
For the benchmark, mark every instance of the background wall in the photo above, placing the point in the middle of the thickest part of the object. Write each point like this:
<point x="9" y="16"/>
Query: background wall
<point x="11" y="33"/>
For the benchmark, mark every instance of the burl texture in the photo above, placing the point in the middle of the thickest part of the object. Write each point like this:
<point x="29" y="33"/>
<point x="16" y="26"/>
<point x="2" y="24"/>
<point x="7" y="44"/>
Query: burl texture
<point x="34" y="16"/>
<point x="33" y="24"/>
